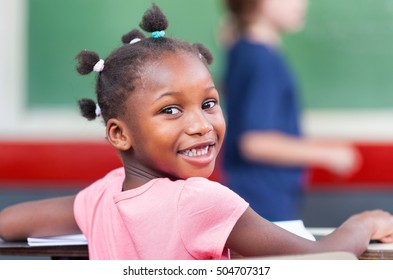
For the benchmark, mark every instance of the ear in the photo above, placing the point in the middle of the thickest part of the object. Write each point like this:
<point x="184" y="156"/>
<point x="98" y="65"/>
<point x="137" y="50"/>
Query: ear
<point x="118" y="134"/>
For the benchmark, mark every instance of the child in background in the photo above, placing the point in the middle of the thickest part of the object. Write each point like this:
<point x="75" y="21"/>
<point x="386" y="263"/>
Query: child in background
<point x="265" y="153"/>
<point x="162" y="113"/>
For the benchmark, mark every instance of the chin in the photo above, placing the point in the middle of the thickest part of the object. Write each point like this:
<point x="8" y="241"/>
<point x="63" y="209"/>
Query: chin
<point x="200" y="173"/>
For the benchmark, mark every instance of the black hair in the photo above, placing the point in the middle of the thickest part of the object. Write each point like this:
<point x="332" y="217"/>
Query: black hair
<point x="116" y="81"/>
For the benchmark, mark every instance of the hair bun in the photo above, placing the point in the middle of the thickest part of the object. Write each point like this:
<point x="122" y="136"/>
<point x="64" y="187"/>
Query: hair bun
<point x="154" y="20"/>
<point x="133" y="34"/>
<point x="87" y="108"/>
<point x="86" y="61"/>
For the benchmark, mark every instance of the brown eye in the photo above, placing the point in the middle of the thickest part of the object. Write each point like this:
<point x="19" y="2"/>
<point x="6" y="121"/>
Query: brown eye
<point x="170" y="110"/>
<point x="209" y="104"/>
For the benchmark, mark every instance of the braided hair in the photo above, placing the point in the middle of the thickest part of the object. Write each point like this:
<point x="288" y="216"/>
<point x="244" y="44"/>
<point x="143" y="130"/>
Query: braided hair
<point x="119" y="71"/>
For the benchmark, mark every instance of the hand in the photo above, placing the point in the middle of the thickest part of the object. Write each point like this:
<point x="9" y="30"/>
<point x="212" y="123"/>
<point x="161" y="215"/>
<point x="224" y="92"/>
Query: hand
<point x="383" y="225"/>
<point x="343" y="160"/>
<point x="380" y="223"/>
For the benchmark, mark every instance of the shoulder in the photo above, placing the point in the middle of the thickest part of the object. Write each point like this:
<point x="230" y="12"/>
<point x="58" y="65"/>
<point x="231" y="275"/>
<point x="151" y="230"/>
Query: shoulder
<point x="201" y="191"/>
<point x="115" y="173"/>
<point x="247" y="48"/>
<point x="253" y="56"/>
<point x="207" y="213"/>
<point x="112" y="177"/>
<point x="203" y="185"/>
<point x="111" y="182"/>
<point x="88" y="199"/>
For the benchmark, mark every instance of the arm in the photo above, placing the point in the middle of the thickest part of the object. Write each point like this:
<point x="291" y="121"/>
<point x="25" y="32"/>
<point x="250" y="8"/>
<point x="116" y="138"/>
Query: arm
<point x="282" y="149"/>
<point x="254" y="236"/>
<point x="47" y="217"/>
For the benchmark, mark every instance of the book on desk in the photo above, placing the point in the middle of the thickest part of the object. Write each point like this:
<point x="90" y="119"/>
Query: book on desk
<point x="60" y="240"/>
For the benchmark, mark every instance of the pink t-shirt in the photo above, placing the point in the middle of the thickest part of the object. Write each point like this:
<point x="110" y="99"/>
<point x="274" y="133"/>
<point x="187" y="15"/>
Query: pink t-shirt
<point x="163" y="219"/>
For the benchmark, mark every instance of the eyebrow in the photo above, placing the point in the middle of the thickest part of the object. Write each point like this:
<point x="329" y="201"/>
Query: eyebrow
<point x="171" y="93"/>
<point x="165" y="95"/>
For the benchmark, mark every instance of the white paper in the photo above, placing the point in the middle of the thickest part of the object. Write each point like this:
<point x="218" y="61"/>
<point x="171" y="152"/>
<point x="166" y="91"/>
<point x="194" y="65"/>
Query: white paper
<point x="380" y="246"/>
<point x="296" y="227"/>
<point x="72" y="239"/>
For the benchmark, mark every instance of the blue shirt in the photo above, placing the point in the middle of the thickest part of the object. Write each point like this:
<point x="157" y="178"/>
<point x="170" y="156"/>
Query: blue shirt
<point x="261" y="94"/>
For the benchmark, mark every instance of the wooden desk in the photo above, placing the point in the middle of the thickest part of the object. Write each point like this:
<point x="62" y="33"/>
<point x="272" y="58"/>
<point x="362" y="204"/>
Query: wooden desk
<point x="80" y="252"/>
<point x="377" y="255"/>
<point x="77" y="252"/>
<point x="368" y="255"/>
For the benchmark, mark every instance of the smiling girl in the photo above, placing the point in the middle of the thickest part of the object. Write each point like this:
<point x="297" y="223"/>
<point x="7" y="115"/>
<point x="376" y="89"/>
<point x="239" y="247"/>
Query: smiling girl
<point x="162" y="113"/>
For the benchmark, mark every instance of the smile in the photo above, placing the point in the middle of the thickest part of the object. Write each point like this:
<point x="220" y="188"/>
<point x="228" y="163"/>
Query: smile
<point x="196" y="152"/>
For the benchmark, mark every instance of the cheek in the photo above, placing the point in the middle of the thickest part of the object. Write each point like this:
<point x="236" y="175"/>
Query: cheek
<point x="223" y="126"/>
<point x="161" y="134"/>
<point x="219" y="124"/>
<point x="295" y="17"/>
<point x="285" y="15"/>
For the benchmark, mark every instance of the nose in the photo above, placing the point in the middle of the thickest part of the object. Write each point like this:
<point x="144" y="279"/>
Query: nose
<point x="198" y="123"/>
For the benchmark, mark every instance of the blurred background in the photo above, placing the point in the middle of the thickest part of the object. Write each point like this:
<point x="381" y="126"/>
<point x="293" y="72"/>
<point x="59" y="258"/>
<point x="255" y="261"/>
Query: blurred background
<point x="343" y="59"/>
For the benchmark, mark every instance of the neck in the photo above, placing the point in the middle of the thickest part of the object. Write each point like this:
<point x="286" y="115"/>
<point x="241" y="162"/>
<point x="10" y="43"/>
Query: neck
<point x="136" y="176"/>
<point x="263" y="32"/>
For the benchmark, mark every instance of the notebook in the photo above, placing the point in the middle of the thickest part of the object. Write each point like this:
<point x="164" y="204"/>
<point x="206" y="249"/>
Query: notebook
<point x="72" y="239"/>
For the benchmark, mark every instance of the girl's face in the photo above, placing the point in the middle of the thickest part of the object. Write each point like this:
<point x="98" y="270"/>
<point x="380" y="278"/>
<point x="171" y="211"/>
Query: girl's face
<point x="284" y="15"/>
<point x="175" y="120"/>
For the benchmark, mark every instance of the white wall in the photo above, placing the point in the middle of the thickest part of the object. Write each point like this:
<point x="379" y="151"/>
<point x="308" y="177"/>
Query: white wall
<point x="16" y="121"/>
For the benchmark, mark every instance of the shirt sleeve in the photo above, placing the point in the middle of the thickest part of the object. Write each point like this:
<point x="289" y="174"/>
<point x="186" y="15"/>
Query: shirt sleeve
<point x="207" y="213"/>
<point x="87" y="199"/>
<point x="79" y="210"/>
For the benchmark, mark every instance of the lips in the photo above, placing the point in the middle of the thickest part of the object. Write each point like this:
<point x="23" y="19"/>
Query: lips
<point x="196" y="152"/>
<point x="200" y="155"/>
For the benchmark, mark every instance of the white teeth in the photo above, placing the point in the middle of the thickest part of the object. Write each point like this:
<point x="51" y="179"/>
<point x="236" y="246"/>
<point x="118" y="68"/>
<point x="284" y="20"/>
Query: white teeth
<point x="196" y="152"/>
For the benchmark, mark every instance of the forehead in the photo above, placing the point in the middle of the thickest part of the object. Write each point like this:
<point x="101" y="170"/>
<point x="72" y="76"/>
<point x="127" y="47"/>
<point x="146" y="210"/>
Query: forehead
<point x="174" y="69"/>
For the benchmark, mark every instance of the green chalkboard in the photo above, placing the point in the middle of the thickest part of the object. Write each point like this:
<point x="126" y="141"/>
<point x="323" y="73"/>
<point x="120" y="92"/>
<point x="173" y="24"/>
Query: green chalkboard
<point x="343" y="58"/>
<point x="344" y="55"/>
<point x="58" y="30"/>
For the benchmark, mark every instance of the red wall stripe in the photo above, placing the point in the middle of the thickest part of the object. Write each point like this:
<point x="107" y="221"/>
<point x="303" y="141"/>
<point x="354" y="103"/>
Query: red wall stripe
<point x="376" y="170"/>
<point x="67" y="163"/>
<point x="55" y="162"/>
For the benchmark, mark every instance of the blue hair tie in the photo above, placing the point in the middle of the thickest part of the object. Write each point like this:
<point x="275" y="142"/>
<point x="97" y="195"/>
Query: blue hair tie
<point x="158" y="34"/>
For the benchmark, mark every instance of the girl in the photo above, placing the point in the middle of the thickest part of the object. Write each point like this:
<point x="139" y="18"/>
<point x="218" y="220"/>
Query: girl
<point x="162" y="114"/>
<point x="266" y="154"/>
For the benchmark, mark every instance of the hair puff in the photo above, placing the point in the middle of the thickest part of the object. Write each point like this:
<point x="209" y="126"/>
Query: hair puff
<point x="86" y="61"/>
<point x="87" y="108"/>
<point x="133" y="34"/>
<point x="154" y="20"/>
